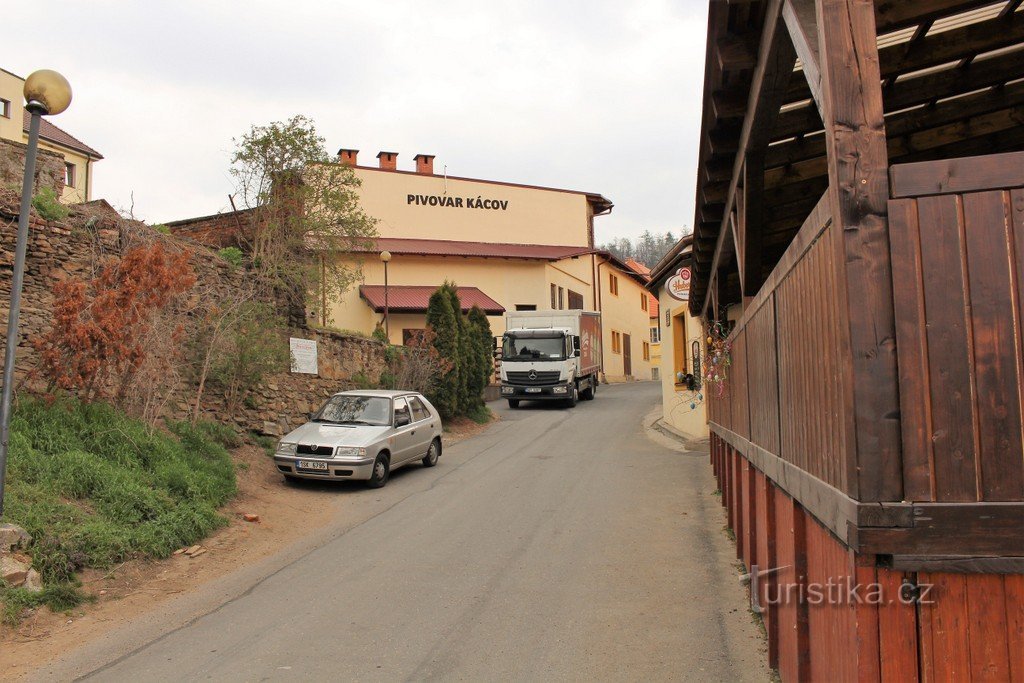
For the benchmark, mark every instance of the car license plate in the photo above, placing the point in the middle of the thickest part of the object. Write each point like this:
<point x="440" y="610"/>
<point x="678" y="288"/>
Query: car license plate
<point x="533" y="390"/>
<point x="308" y="465"/>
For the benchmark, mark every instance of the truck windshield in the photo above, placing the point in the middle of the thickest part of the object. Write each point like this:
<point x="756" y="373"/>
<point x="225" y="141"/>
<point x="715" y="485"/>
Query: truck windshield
<point x="533" y="348"/>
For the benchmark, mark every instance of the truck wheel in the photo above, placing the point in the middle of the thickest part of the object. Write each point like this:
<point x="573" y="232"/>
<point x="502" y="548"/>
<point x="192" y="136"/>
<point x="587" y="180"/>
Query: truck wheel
<point x="574" y="396"/>
<point x="513" y="403"/>
<point x="588" y="393"/>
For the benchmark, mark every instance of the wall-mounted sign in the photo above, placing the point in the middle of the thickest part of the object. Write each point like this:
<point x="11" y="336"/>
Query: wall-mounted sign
<point x="304" y="359"/>
<point x="678" y="286"/>
<point x="456" y="202"/>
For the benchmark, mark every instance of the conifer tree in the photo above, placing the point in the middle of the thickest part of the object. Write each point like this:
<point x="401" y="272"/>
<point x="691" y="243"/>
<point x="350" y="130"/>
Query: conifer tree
<point x="443" y="319"/>
<point x="482" y="358"/>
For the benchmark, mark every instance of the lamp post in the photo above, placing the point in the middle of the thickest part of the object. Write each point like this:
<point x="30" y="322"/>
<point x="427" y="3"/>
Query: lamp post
<point x="385" y="256"/>
<point x="46" y="92"/>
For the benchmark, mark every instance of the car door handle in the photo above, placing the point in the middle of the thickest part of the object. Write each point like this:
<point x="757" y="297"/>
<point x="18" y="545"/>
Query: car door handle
<point x="412" y="433"/>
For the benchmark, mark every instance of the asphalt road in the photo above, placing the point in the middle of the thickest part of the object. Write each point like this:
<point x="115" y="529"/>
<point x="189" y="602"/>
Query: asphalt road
<point x="560" y="545"/>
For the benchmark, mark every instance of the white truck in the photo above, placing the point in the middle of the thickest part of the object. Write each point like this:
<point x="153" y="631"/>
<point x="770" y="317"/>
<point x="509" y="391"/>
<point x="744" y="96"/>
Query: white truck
<point x="550" y="355"/>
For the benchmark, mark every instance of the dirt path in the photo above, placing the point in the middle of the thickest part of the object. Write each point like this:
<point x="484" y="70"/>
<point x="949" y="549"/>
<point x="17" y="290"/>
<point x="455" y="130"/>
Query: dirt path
<point x="287" y="514"/>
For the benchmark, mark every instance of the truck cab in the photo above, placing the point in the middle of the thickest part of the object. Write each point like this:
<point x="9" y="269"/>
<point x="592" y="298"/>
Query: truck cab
<point x="545" y="363"/>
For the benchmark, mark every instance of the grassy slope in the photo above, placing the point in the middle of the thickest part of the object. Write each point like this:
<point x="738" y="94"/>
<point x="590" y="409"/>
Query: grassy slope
<point x="95" y="487"/>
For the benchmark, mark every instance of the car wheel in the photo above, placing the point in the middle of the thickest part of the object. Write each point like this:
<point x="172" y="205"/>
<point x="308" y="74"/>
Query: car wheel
<point x="588" y="393"/>
<point x="381" y="470"/>
<point x="574" y="396"/>
<point x="513" y="403"/>
<point x="433" y="453"/>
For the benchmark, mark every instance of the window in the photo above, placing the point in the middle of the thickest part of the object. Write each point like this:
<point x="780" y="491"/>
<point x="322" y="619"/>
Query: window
<point x="680" y="349"/>
<point x="554" y="297"/>
<point x="402" y="410"/>
<point x="613" y="283"/>
<point x="412" y="336"/>
<point x="647" y="351"/>
<point x="419" y="411"/>
<point x="526" y="307"/>
<point x="655" y="335"/>
<point x="643" y="301"/>
<point x="561" y="298"/>
<point x="5" y="108"/>
<point x="575" y="301"/>
<point x="616" y="342"/>
<point x="69" y="175"/>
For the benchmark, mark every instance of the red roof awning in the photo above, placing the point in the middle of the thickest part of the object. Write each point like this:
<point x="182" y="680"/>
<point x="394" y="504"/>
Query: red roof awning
<point x="414" y="299"/>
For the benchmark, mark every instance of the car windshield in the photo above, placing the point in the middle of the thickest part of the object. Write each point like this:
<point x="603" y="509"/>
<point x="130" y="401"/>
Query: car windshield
<point x="533" y="348"/>
<point x="363" y="410"/>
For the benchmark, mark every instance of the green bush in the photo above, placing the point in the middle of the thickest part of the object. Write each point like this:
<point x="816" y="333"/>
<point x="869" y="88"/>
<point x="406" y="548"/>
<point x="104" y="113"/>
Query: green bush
<point x="232" y="255"/>
<point x="162" y="229"/>
<point x="480" y="414"/>
<point x="58" y="598"/>
<point x="47" y="205"/>
<point x="94" y="487"/>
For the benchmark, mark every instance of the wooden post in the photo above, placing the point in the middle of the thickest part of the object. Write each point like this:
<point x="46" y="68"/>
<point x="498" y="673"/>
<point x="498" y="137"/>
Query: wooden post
<point x="851" y="104"/>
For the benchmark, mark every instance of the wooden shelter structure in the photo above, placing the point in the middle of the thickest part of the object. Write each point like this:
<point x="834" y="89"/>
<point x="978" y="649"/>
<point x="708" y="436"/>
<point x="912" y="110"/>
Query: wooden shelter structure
<point x="860" y="231"/>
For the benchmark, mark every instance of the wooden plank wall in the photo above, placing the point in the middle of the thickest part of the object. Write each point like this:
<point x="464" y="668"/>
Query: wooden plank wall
<point x="815" y="409"/>
<point x="958" y="262"/>
<point x="788" y="391"/>
<point x="970" y="628"/>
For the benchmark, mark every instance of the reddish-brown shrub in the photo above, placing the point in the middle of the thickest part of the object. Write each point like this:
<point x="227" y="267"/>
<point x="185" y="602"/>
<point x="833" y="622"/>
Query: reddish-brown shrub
<point x="100" y="325"/>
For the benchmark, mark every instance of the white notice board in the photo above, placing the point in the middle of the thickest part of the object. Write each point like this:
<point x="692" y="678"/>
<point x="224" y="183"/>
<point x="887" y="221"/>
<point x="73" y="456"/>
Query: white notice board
<point x="304" y="356"/>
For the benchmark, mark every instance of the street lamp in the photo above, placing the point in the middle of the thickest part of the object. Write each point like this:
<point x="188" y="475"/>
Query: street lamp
<point x="385" y="256"/>
<point x="46" y="92"/>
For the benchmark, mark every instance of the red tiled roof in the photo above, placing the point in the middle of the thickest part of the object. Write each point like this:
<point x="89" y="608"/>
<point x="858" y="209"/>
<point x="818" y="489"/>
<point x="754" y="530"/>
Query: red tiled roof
<point x="637" y="266"/>
<point x="424" y="247"/>
<point x="414" y="298"/>
<point x="655" y="307"/>
<point x="51" y="133"/>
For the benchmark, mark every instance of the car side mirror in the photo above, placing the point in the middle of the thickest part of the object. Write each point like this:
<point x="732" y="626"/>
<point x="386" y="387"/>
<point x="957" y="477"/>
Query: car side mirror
<point x="402" y="420"/>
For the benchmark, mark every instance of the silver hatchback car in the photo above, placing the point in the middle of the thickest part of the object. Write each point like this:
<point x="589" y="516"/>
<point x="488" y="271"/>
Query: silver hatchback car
<point x="362" y="435"/>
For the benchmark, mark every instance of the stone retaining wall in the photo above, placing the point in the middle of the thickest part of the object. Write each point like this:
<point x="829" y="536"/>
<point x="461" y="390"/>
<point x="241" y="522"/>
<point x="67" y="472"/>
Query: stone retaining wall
<point x="75" y="246"/>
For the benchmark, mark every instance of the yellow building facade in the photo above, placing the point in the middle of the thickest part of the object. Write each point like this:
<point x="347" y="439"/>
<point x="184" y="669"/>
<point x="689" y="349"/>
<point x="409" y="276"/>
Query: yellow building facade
<point x="79" y="158"/>
<point x="519" y="247"/>
<point x="682" y="344"/>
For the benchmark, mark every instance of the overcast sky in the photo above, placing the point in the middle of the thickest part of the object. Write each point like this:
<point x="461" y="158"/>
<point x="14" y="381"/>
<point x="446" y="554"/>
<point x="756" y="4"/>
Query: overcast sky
<point x="590" y="95"/>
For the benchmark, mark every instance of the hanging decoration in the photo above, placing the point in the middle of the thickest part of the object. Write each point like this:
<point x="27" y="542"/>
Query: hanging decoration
<point x="717" y="359"/>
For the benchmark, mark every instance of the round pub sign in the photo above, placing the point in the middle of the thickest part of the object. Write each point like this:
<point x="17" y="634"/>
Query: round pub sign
<point x="678" y="286"/>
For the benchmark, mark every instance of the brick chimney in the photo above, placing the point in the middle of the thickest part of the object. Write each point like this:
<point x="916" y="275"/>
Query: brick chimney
<point x="388" y="160"/>
<point x="424" y="163"/>
<point x="348" y="156"/>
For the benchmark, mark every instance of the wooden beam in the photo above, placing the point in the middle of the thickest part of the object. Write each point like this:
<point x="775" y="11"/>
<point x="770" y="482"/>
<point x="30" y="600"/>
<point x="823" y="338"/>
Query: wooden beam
<point x="859" y="191"/>
<point x="892" y="15"/>
<point x="913" y="121"/>
<point x="753" y="222"/>
<point x="800" y="22"/>
<point x="951" y="528"/>
<point x="967" y="174"/>
<point x="915" y="91"/>
<point x="900" y="145"/>
<point x="770" y="80"/>
<point x="733" y="53"/>
<point x="728" y="104"/>
<point x="723" y="141"/>
<point x="717" y="169"/>
<point x="938" y="49"/>
<point x="786" y="205"/>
